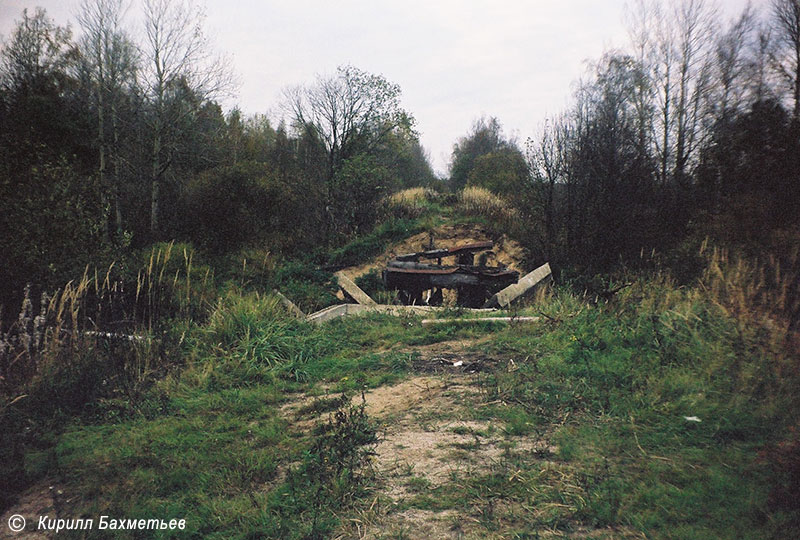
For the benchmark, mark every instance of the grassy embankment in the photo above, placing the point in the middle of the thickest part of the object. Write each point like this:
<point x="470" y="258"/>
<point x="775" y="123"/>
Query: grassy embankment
<point x="615" y="386"/>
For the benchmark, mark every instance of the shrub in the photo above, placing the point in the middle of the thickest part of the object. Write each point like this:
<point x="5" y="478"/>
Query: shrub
<point x="53" y="225"/>
<point x="502" y="171"/>
<point x="356" y="192"/>
<point x="410" y="203"/>
<point x="480" y="202"/>
<point x="228" y="207"/>
<point x="372" y="244"/>
<point x="249" y="268"/>
<point x="332" y="472"/>
<point x="305" y="285"/>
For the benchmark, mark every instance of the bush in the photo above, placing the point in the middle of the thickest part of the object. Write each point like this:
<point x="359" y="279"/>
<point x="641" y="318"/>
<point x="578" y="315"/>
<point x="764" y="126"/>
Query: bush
<point x="227" y="207"/>
<point x="249" y="268"/>
<point x="372" y="244"/>
<point x="480" y="202"/>
<point x="410" y="203"/>
<point x="305" y="285"/>
<point x="332" y="472"/>
<point x="502" y="171"/>
<point x="53" y="225"/>
<point x="355" y="193"/>
<point x="252" y="330"/>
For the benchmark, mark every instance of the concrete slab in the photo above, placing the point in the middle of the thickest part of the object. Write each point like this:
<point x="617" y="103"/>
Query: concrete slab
<point x="512" y="292"/>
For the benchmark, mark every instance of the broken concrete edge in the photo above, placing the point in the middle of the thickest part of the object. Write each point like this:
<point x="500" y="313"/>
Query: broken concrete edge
<point x="428" y="322"/>
<point x="352" y="290"/>
<point x="504" y="298"/>
<point x="342" y="310"/>
<point x="293" y="309"/>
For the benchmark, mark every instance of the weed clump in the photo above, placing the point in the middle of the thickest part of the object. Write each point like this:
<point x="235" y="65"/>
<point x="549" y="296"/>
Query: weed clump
<point x="362" y="248"/>
<point x="480" y="202"/>
<point x="659" y="384"/>
<point x="410" y="203"/>
<point x="102" y="338"/>
<point x="334" y="471"/>
<point x="307" y="286"/>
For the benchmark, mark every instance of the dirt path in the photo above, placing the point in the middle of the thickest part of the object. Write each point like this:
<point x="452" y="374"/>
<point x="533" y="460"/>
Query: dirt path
<point x="41" y="499"/>
<point x="431" y="435"/>
<point x="436" y="436"/>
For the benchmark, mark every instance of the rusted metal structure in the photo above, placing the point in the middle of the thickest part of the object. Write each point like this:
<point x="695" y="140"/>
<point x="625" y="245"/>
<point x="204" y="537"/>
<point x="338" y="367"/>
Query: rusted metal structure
<point x="475" y="283"/>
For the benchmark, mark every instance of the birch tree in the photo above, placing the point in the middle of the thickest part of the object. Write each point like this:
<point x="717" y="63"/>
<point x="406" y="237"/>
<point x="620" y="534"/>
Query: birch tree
<point x="178" y="59"/>
<point x="733" y="52"/>
<point x="674" y="45"/>
<point x="786" y="57"/>
<point x="695" y="21"/>
<point x="111" y="60"/>
<point x="349" y="112"/>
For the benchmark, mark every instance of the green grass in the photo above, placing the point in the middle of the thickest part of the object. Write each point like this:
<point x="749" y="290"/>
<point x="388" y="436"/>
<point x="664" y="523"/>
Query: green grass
<point x="610" y="386"/>
<point x="365" y="247"/>
<point x="210" y="445"/>
<point x="607" y="386"/>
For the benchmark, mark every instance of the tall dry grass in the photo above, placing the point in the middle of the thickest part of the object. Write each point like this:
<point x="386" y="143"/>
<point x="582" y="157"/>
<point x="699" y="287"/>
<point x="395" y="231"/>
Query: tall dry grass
<point x="104" y="314"/>
<point x="480" y="202"/>
<point x="33" y="341"/>
<point x="761" y="293"/>
<point x="410" y="203"/>
<point x="763" y="298"/>
<point x="170" y="285"/>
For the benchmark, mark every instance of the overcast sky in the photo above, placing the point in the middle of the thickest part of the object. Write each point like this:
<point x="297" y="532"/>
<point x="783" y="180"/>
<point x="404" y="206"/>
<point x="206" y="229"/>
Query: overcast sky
<point x="455" y="60"/>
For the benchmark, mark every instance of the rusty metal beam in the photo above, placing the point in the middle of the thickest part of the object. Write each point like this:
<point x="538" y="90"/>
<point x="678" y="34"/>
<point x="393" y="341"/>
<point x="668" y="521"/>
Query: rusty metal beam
<point x="445" y="252"/>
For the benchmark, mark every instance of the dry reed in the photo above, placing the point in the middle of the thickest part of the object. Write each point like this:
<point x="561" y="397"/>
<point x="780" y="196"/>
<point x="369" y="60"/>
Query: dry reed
<point x="96" y="307"/>
<point x="409" y="203"/>
<point x="478" y="201"/>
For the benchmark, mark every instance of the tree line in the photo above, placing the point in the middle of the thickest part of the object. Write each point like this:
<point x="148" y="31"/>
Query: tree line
<point x="111" y="141"/>
<point x="691" y="131"/>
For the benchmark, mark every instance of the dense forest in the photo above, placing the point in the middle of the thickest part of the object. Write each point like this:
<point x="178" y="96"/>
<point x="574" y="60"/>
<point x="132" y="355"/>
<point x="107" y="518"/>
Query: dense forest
<point x="119" y="164"/>
<point x="114" y="143"/>
<point x="109" y="144"/>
